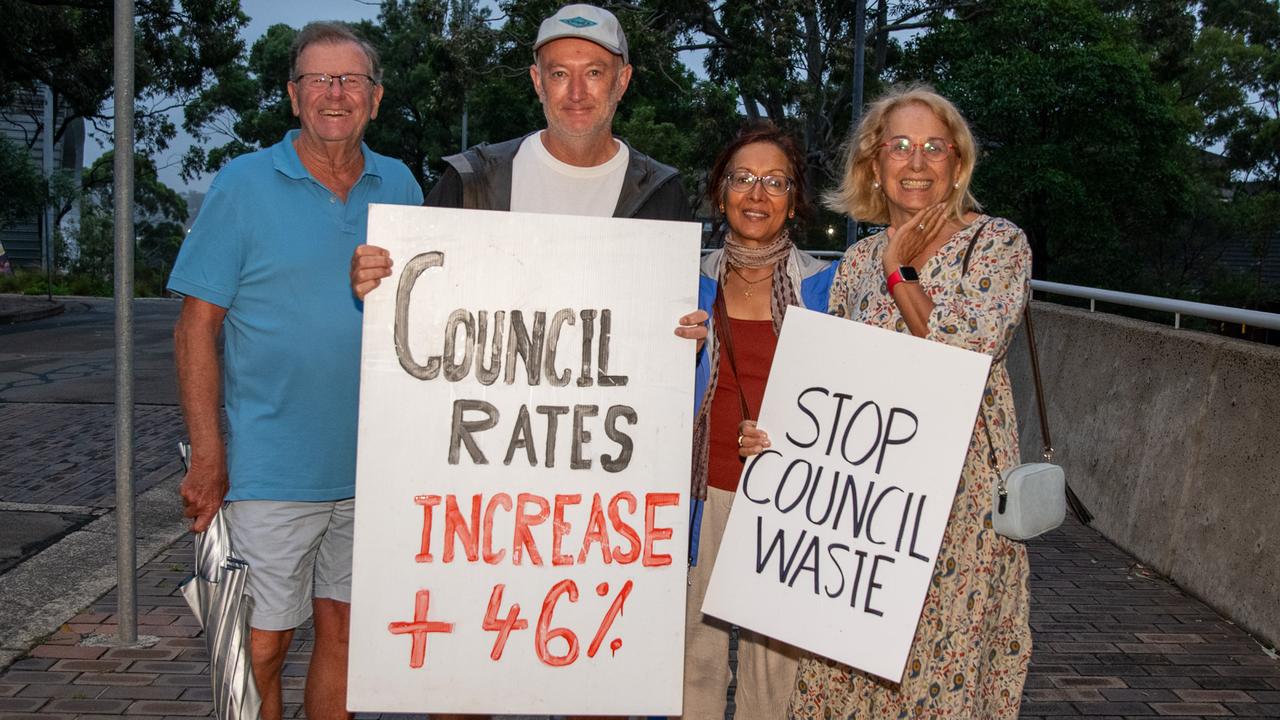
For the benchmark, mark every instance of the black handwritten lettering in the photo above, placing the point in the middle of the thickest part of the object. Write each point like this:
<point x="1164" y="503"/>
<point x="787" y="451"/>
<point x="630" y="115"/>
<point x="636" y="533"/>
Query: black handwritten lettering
<point x="553" y="340"/>
<point x="488" y="374"/>
<point x="461" y="429"/>
<point x="619" y="462"/>
<point x="603" y="378"/>
<point x="522" y="437"/>
<point x="588" y="331"/>
<point x="404" y="290"/>
<point x="553" y="413"/>
<point x="817" y="427"/>
<point x="454" y="369"/>
<point x="889" y="439"/>
<point x="581" y="437"/>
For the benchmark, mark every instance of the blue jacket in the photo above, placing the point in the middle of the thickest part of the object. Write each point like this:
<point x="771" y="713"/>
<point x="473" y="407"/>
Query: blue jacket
<point x="813" y="276"/>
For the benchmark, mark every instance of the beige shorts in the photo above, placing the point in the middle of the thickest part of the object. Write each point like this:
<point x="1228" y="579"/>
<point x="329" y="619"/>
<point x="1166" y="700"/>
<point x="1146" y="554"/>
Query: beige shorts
<point x="296" y="551"/>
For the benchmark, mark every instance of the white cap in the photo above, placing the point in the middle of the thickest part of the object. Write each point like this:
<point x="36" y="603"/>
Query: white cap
<point x="587" y="22"/>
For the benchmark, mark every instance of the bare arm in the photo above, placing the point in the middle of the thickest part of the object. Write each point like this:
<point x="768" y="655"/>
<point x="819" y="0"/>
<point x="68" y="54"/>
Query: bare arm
<point x="199" y="391"/>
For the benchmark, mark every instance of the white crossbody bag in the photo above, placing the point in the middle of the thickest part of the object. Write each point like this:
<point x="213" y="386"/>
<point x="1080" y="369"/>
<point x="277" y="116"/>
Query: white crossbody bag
<point x="1029" y="499"/>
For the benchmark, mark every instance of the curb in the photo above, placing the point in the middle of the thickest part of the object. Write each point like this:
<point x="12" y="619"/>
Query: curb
<point x="54" y="585"/>
<point x="43" y="310"/>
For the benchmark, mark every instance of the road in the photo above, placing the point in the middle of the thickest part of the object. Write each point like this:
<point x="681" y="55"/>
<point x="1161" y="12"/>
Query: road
<point x="69" y="358"/>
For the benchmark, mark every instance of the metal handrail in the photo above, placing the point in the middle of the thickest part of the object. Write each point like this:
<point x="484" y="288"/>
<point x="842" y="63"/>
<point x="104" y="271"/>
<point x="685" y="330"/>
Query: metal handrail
<point x="1255" y="318"/>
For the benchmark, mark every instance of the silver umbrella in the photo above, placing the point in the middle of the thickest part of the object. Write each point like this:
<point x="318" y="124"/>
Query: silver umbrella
<point x="216" y="596"/>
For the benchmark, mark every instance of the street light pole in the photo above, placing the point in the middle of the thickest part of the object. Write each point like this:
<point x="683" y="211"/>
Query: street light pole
<point x="126" y="546"/>
<point x="46" y="166"/>
<point x="859" y="54"/>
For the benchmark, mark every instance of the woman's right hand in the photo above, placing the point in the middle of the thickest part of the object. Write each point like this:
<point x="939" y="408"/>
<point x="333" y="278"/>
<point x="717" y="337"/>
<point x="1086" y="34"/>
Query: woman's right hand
<point x="369" y="264"/>
<point x="906" y="242"/>
<point x="751" y="439"/>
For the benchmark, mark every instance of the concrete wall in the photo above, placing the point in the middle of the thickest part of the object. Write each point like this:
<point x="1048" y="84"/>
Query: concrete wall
<point x="1172" y="439"/>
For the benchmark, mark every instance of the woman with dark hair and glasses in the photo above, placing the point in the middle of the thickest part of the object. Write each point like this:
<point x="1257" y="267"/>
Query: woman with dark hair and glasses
<point x="757" y="187"/>
<point x="944" y="272"/>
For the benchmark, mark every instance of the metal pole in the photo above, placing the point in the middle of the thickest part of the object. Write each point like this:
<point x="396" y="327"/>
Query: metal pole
<point x="464" y="126"/>
<point x="126" y="550"/>
<point x="46" y="162"/>
<point x="859" y="55"/>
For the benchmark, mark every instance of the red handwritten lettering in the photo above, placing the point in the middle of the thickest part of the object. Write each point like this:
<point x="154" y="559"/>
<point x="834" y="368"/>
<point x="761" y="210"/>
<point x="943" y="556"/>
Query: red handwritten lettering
<point x="652" y="501"/>
<point x="420" y="628"/>
<point x="560" y="528"/>
<point x="545" y="633"/>
<point x="502" y="500"/>
<point x="512" y="621"/>
<point x="427" y="502"/>
<point x="597" y="532"/>
<point x="623" y="528"/>
<point x="523" y="538"/>
<point x="456" y="528"/>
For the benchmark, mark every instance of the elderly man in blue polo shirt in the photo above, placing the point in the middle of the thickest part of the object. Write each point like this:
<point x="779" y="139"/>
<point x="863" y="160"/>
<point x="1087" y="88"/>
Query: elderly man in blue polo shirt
<point x="265" y="264"/>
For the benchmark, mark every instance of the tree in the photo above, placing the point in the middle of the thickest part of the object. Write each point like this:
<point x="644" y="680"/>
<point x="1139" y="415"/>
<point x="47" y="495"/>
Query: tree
<point x="246" y="107"/>
<point x="159" y="214"/>
<point x="66" y="45"/>
<point x="1083" y="148"/>
<point x="444" y="58"/>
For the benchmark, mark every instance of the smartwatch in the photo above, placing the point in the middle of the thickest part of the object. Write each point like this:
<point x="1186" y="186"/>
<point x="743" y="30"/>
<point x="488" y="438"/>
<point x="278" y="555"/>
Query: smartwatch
<point x="904" y="273"/>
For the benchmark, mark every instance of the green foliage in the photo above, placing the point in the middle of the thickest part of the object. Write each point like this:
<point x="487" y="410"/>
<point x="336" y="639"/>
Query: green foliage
<point x="1083" y="148"/>
<point x="68" y="47"/>
<point x="245" y="108"/>
<point x="159" y="214"/>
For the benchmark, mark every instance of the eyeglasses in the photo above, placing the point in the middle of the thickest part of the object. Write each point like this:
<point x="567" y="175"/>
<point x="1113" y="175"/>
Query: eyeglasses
<point x="744" y="180"/>
<point x="349" y="82"/>
<point x="933" y="149"/>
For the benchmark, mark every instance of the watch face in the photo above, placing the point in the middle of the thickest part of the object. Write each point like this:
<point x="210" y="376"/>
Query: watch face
<point x="909" y="273"/>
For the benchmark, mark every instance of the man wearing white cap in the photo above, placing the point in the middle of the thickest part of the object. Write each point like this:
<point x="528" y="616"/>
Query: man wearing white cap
<point x="581" y="70"/>
<point x="575" y="166"/>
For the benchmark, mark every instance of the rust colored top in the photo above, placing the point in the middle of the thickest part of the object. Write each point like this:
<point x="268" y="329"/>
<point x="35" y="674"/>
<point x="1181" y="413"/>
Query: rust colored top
<point x="754" y="344"/>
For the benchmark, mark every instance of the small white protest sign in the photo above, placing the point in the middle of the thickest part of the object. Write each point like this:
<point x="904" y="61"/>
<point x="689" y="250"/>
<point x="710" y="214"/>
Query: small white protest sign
<point x="523" y="470"/>
<point x="834" y="530"/>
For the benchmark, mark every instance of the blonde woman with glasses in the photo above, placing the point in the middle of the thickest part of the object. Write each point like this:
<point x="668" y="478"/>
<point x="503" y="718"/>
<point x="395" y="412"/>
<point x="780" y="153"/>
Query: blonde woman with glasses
<point x="943" y="271"/>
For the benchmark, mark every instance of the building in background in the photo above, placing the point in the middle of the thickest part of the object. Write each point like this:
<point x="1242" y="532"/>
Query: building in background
<point x="22" y="123"/>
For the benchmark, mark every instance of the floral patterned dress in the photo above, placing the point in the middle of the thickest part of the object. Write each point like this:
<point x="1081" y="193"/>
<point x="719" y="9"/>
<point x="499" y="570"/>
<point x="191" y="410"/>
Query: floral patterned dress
<point x="972" y="646"/>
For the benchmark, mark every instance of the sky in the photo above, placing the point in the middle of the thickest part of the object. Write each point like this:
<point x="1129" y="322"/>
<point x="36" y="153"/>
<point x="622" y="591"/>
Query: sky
<point x="262" y="15"/>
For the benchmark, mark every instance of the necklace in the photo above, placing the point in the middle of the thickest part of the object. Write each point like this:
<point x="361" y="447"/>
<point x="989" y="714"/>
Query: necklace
<point x="750" y="283"/>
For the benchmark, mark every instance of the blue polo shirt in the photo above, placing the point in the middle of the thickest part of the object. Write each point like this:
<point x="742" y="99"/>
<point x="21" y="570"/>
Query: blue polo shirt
<point x="273" y="246"/>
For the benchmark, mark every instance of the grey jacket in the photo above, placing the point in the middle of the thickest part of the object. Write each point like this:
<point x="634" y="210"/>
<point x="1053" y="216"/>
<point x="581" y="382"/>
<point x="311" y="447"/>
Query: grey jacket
<point x="480" y="178"/>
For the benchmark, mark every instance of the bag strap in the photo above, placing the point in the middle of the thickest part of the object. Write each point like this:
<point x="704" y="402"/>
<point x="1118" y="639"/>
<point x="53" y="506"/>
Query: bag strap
<point x="725" y="335"/>
<point x="1047" y="449"/>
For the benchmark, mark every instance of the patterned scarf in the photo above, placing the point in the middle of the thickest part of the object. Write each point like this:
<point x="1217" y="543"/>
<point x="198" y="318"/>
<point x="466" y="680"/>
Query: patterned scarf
<point x="786" y="280"/>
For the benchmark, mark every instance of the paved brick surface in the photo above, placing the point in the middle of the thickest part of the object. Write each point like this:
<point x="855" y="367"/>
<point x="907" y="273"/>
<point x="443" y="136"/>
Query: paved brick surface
<point x="1111" y="641"/>
<point x="65" y="453"/>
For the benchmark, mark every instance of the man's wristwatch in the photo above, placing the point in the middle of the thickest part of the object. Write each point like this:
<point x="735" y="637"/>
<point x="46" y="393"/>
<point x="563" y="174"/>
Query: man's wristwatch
<point x="904" y="273"/>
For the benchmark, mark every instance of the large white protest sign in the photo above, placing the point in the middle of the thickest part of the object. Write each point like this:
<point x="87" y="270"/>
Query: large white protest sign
<point x="834" y="530"/>
<point x="523" y="472"/>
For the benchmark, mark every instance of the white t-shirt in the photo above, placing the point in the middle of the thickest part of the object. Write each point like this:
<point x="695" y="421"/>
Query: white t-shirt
<point x="541" y="183"/>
